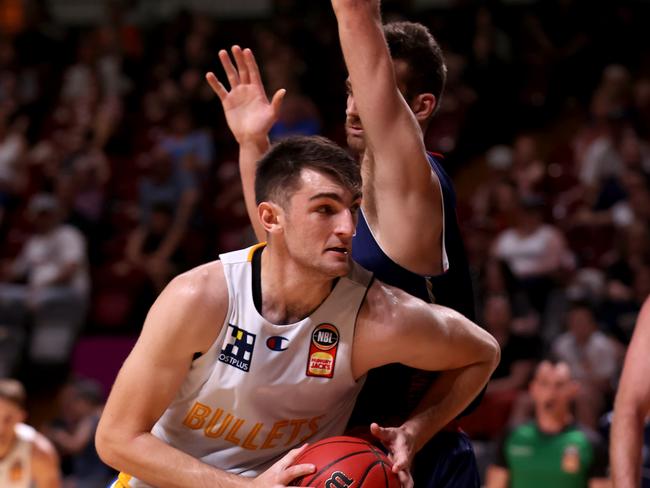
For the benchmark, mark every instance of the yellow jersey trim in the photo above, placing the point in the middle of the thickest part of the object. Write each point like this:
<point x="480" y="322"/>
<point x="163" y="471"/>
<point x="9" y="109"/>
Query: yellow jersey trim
<point x="123" y="481"/>
<point x="253" y="249"/>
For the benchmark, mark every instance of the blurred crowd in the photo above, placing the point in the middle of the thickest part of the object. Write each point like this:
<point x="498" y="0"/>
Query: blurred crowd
<point x="117" y="172"/>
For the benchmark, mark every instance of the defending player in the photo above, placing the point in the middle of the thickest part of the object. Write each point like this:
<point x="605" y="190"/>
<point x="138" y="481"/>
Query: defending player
<point x="27" y="459"/>
<point x="632" y="407"/>
<point x="407" y="232"/>
<point x="242" y="359"/>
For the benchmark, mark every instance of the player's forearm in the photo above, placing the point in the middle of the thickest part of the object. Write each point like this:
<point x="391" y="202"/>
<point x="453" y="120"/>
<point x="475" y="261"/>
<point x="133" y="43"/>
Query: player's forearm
<point x="369" y="65"/>
<point x="251" y="150"/>
<point x="157" y="463"/>
<point x="447" y="397"/>
<point x="390" y="127"/>
<point x="625" y="445"/>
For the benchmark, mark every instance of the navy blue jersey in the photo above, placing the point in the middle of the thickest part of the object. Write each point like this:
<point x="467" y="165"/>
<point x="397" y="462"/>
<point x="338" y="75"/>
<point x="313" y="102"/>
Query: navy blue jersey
<point x="452" y="288"/>
<point x="392" y="392"/>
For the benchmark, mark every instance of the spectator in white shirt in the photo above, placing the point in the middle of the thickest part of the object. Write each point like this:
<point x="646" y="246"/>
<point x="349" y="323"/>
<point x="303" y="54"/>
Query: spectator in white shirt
<point x="45" y="288"/>
<point x="593" y="357"/>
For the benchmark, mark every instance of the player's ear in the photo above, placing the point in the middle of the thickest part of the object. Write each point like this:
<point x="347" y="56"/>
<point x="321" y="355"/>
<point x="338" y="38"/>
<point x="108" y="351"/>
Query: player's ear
<point x="269" y="214"/>
<point x="423" y="106"/>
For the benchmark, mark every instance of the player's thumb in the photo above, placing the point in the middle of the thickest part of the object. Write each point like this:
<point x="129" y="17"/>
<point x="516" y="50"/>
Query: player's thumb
<point x="380" y="433"/>
<point x="276" y="102"/>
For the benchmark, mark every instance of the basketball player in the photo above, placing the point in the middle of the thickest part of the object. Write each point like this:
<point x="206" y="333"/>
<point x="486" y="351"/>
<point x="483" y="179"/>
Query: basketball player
<point x="631" y="409"/>
<point x="27" y="459"/>
<point x="407" y="232"/>
<point x="242" y="359"/>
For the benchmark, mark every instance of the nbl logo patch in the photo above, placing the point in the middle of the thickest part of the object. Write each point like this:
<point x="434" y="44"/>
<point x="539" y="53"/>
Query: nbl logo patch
<point x="322" y="351"/>
<point x="238" y="348"/>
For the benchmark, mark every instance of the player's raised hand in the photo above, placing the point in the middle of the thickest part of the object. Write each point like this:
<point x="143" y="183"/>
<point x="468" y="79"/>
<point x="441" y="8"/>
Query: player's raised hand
<point x="283" y="472"/>
<point x="401" y="449"/>
<point x="249" y="113"/>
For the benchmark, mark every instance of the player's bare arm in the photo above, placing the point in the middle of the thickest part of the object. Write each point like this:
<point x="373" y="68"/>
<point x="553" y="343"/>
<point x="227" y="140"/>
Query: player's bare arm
<point x="250" y="116"/>
<point x="631" y="407"/>
<point x="394" y="327"/>
<point x="396" y="172"/>
<point x="184" y="320"/>
<point x="45" y="464"/>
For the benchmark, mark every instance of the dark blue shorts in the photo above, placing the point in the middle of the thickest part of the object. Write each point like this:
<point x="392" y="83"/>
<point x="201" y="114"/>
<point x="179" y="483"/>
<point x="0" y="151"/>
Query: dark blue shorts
<point x="446" y="461"/>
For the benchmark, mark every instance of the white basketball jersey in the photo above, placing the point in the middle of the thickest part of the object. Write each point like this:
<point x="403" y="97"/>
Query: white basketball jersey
<point x="263" y="389"/>
<point x="16" y="466"/>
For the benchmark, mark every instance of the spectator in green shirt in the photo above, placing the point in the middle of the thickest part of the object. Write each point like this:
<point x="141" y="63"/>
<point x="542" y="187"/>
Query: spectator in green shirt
<point x="551" y="451"/>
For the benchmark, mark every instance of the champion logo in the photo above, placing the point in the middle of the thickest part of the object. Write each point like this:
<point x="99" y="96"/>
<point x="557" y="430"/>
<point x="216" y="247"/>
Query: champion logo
<point x="277" y="343"/>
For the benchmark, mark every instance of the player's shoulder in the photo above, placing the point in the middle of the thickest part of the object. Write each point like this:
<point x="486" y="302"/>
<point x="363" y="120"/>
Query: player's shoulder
<point x="197" y="295"/>
<point x="381" y="295"/>
<point x="387" y="305"/>
<point x="202" y="283"/>
<point x="43" y="452"/>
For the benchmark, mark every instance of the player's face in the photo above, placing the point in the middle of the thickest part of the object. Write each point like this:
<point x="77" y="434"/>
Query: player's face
<point x="10" y="415"/>
<point x="319" y="223"/>
<point x="353" y="127"/>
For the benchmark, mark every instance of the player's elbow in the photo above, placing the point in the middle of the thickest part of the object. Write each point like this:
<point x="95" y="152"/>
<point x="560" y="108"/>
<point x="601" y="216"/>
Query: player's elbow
<point x="109" y="444"/>
<point x="495" y="353"/>
<point x="490" y="352"/>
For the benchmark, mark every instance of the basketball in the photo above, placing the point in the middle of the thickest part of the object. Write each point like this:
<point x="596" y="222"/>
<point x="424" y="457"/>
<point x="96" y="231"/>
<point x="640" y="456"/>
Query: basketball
<point x="343" y="462"/>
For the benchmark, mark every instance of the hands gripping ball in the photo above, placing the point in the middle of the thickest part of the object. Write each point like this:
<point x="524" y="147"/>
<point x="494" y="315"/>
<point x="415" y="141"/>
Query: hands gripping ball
<point x="347" y="462"/>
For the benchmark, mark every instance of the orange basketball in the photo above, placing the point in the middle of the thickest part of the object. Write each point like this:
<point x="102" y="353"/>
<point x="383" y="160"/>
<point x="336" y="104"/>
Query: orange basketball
<point x="344" y="462"/>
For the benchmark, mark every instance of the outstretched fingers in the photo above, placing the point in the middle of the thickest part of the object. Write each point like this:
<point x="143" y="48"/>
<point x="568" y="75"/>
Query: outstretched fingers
<point x="229" y="68"/>
<point x="216" y="86"/>
<point x="276" y="102"/>
<point x="253" y="68"/>
<point x="242" y="67"/>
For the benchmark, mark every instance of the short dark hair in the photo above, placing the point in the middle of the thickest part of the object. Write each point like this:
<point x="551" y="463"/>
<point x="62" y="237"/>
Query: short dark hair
<point x="413" y="43"/>
<point x="13" y="391"/>
<point x="278" y="172"/>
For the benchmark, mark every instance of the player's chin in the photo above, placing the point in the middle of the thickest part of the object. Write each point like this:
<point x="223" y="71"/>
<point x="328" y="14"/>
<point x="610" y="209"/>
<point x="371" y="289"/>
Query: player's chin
<point x="356" y="143"/>
<point x="337" y="266"/>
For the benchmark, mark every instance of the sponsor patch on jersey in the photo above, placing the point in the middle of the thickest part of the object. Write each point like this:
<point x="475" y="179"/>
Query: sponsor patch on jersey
<point x="238" y="348"/>
<point x="322" y="351"/>
<point x="571" y="459"/>
<point x="16" y="472"/>
<point x="277" y="343"/>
